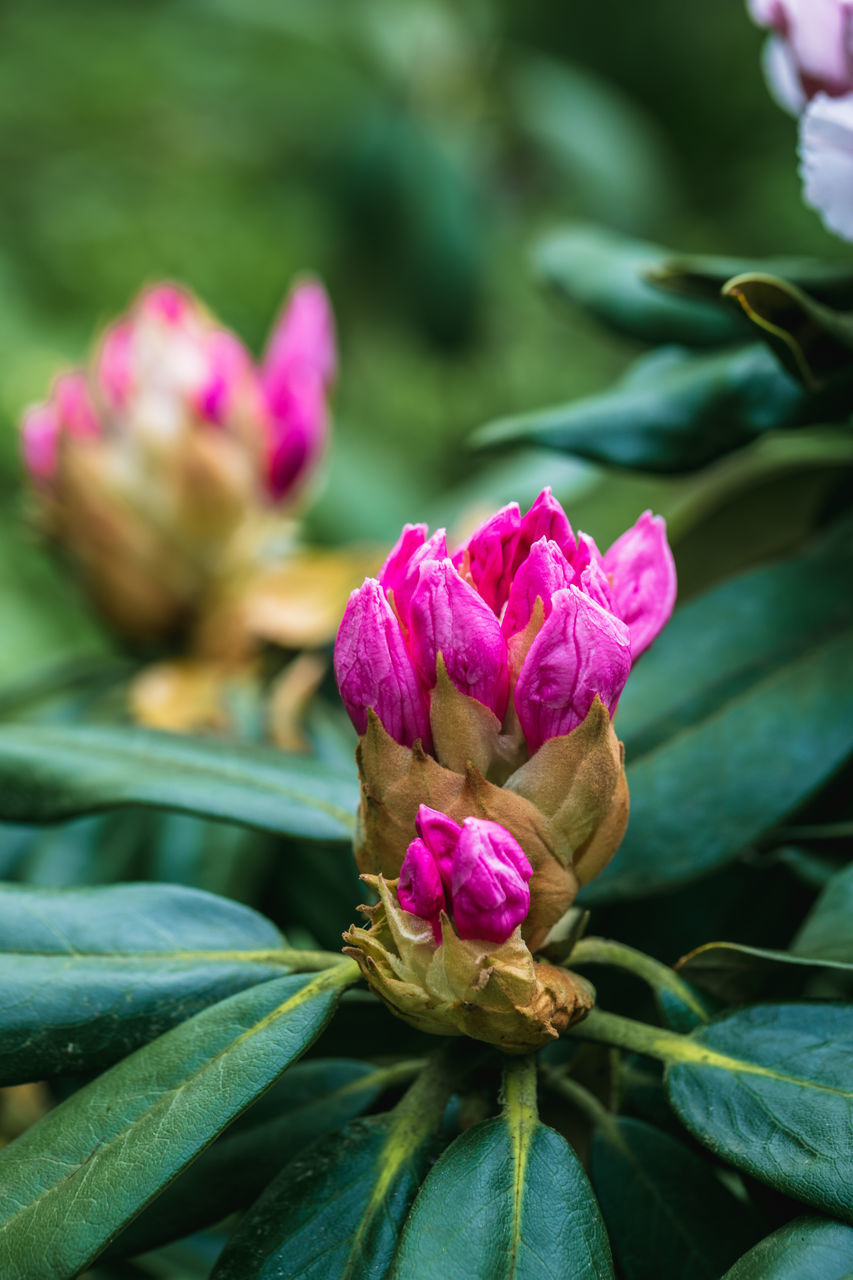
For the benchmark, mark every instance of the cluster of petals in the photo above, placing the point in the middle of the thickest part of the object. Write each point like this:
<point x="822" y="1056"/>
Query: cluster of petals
<point x="808" y="62"/>
<point x="167" y="366"/>
<point x="527" y="618"/>
<point x="477" y="874"/>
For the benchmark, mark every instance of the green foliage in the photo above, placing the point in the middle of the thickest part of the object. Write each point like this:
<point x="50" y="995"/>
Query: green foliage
<point x="805" y="1249"/>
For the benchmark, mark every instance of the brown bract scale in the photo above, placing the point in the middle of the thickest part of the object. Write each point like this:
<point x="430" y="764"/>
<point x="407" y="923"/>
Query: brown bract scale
<point x="492" y="992"/>
<point x="567" y="806"/>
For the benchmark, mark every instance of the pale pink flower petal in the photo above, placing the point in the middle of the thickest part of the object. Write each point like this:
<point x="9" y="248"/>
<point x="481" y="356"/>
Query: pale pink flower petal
<point x="826" y="155"/>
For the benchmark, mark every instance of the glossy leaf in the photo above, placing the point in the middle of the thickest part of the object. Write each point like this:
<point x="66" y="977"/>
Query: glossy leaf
<point x="812" y="341"/>
<point x="805" y="1249"/>
<point x="336" y="1211"/>
<point x="736" y="974"/>
<point x="673" y="412"/>
<point x="828" y="928"/>
<point x="86" y="975"/>
<point x="667" y="1213"/>
<point x="311" y="1100"/>
<point x="508" y="1200"/>
<point x="53" y="772"/>
<point x="728" y="728"/>
<point x="98" y="1158"/>
<point x="609" y="275"/>
<point x="770" y="1089"/>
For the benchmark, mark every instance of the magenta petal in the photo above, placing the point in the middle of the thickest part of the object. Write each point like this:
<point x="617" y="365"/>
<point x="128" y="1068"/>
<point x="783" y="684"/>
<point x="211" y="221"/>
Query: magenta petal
<point x="545" y="519"/>
<point x="434" y="549"/>
<point x="440" y="834"/>
<point x="642" y="570"/>
<point x="420" y="890"/>
<point x="582" y="650"/>
<point x="447" y="616"/>
<point x="114" y="372"/>
<point x="373" y="668"/>
<point x="490" y="894"/>
<point x="396" y="563"/>
<point x="544" y="571"/>
<point x="297" y="431"/>
<point x="302" y="338"/>
<point x="40" y="441"/>
<point x="491" y="555"/>
<point x="74" y="407"/>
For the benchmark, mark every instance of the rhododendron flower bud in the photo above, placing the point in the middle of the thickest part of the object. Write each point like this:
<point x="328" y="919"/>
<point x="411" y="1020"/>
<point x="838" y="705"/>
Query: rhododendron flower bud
<point x="641" y="569"/>
<point x="374" y="669"/>
<point x="421" y="891"/>
<point x="581" y="652"/>
<point x="157" y="469"/>
<point x="544" y="571"/>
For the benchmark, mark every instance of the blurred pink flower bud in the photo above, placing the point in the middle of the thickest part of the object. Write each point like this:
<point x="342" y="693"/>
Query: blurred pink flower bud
<point x="374" y="669"/>
<point x="448" y="617"/>
<point x="69" y="411"/>
<point x="298" y="368"/>
<point x="642" y="571"/>
<point x="818" y="39"/>
<point x="477" y="872"/>
<point x="582" y="650"/>
<point x="826" y="152"/>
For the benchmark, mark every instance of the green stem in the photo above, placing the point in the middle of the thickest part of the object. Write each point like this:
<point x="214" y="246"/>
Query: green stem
<point x="639" y="1037"/>
<point x="305" y="961"/>
<point x="422" y="1106"/>
<point x="659" y="976"/>
<point x="582" y="1100"/>
<point x="519" y="1086"/>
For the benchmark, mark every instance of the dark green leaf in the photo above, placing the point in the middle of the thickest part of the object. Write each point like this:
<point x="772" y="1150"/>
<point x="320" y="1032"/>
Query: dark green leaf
<point x="770" y="1089"/>
<point x="311" y="1100"/>
<point x="667" y="1213"/>
<point x="813" y="342"/>
<point x="698" y="275"/>
<point x="508" y="1200"/>
<point x="737" y="974"/>
<point x="48" y="773"/>
<point x="673" y="412"/>
<point x="729" y="727"/>
<point x="336" y="1211"/>
<point x="88" y="1167"/>
<point x="608" y="274"/>
<point x="805" y="1249"/>
<point x="86" y="975"/>
<point x="828" y="928"/>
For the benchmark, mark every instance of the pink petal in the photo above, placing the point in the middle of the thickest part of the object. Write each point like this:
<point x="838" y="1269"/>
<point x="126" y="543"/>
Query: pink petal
<point x="642" y="571"/>
<point x="303" y="337"/>
<point x="297" y="432"/>
<point x="490" y="894"/>
<point x="544" y="571"/>
<point x="441" y="835"/>
<point x="397" y="561"/>
<point x="74" y="406"/>
<point x="114" y="372"/>
<point x="545" y="519"/>
<point x="373" y="668"/>
<point x="40" y="441"/>
<point x="420" y="890"/>
<point x="447" y="616"/>
<point x="826" y="153"/>
<point x="491" y="555"/>
<point x="582" y="650"/>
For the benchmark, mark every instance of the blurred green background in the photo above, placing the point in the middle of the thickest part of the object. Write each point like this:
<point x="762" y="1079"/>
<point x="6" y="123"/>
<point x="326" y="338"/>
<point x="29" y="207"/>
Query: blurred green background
<point x="409" y="152"/>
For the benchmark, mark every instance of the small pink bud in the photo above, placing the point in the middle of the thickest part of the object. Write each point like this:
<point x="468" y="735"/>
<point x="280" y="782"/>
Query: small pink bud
<point x="40" y="432"/>
<point x="373" y="668"/>
<point x="642" y="571"/>
<point x="74" y="406"/>
<point x="491" y="555"/>
<point x="302" y="338"/>
<point x="448" y="617"/>
<point x="440" y="834"/>
<point x="229" y="374"/>
<point x="420" y="890"/>
<point x="434" y="549"/>
<point x="396" y="563"/>
<point x="489" y="890"/>
<point x="114" y="373"/>
<point x="297" y="432"/>
<point x="69" y="410"/>
<point x="545" y="519"/>
<point x="582" y="650"/>
<point x="544" y="571"/>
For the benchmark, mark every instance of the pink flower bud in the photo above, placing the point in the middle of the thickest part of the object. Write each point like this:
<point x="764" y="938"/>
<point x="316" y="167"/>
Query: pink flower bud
<point x="642" y="571"/>
<point x="114" y="373"/>
<point x="489" y="891"/>
<point x="582" y="650"/>
<point x="69" y="411"/>
<point x="396" y="563"/>
<point x="420" y="890"/>
<point x="545" y="519"/>
<point x="544" y="571"/>
<point x="373" y="668"/>
<point x="401" y="575"/>
<point x="489" y="555"/>
<point x="818" y="35"/>
<point x="302" y="338"/>
<point x="826" y="151"/>
<point x="440" y="834"/>
<point x="297" y="431"/>
<point x="448" y="617"/>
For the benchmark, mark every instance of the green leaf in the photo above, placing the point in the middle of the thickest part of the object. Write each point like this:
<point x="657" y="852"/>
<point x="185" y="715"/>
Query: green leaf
<point x="827" y="931"/>
<point x="770" y="1089"/>
<point x="737" y="974"/>
<point x="667" y="1213"/>
<point x="337" y="1210"/>
<point x="699" y="275"/>
<point x="508" y="1200"/>
<point x="672" y="412"/>
<point x="88" y="1167"/>
<point x="741" y="709"/>
<point x="86" y="975"/>
<point x="813" y="342"/>
<point x="609" y="275"/>
<point x="53" y="772"/>
<point x="805" y="1249"/>
<point x="311" y="1100"/>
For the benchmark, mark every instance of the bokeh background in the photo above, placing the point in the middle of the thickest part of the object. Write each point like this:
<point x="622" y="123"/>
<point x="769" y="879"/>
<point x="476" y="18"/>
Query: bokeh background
<point x="409" y="152"/>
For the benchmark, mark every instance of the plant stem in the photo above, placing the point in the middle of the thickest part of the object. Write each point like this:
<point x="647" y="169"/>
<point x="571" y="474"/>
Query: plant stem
<point x="659" y="976"/>
<point x="305" y="961"/>
<point x="640" y="1037"/>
